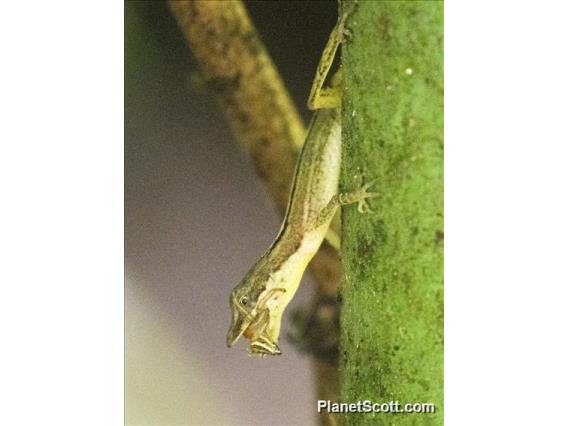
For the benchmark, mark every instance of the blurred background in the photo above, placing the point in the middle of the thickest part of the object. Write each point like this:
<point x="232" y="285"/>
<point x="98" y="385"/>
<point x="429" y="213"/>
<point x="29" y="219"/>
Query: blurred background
<point x="196" y="219"/>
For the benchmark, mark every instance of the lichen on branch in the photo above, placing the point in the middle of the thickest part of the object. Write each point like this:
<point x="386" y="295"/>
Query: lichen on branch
<point x="392" y="289"/>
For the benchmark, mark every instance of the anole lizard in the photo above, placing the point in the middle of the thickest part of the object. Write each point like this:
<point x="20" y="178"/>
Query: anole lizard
<point x="258" y="301"/>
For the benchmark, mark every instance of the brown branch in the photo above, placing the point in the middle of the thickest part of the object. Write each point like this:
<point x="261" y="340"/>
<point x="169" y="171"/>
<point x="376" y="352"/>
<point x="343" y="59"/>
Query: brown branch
<point x="236" y="66"/>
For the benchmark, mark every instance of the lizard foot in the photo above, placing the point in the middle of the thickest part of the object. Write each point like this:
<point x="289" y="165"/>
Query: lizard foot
<point x="360" y="197"/>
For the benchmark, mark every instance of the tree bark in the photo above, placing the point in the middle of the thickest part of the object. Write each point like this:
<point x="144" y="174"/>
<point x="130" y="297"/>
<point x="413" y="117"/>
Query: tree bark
<point x="392" y="288"/>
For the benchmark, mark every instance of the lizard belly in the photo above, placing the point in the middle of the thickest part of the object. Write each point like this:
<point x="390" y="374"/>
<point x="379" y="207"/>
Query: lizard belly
<point x="292" y="270"/>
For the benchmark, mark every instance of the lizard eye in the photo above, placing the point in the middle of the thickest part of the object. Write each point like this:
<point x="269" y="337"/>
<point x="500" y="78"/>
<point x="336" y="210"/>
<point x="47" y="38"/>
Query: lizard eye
<point x="244" y="300"/>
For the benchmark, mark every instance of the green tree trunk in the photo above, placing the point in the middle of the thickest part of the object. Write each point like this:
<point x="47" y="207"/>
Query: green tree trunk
<point x="392" y="290"/>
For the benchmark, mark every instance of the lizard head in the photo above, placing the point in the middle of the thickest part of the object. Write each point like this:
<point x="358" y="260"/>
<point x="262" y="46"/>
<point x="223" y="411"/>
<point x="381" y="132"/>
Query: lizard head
<point x="255" y="315"/>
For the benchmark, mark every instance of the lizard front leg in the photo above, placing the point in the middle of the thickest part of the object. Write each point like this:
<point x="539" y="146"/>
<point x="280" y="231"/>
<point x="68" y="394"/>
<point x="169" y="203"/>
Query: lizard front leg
<point x="359" y="196"/>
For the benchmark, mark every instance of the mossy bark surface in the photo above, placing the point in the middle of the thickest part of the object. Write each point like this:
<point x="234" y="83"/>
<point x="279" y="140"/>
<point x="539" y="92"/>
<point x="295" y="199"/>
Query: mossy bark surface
<point x="392" y="290"/>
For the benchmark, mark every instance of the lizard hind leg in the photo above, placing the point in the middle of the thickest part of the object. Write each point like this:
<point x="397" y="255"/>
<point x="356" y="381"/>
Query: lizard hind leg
<point x="330" y="97"/>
